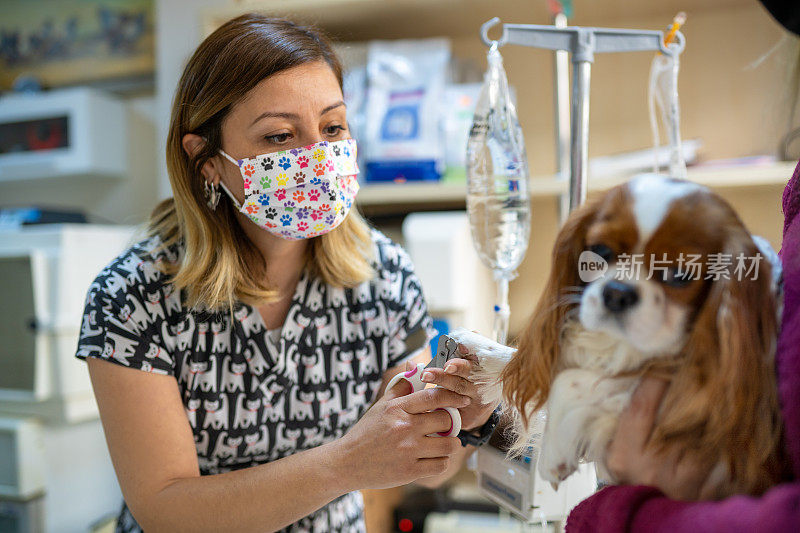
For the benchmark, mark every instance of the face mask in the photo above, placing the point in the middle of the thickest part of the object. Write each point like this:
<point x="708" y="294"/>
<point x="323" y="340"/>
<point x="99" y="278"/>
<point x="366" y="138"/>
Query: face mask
<point x="299" y="193"/>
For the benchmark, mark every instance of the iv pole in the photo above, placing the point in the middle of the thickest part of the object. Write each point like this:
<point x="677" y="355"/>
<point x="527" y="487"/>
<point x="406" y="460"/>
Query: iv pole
<point x="581" y="43"/>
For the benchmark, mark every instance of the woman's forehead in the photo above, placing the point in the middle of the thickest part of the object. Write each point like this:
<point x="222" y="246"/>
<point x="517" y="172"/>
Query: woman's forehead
<point x="313" y="85"/>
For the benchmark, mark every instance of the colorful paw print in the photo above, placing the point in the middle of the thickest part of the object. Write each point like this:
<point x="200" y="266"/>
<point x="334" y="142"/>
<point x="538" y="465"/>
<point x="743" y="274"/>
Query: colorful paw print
<point x="284" y="162"/>
<point x="319" y="169"/>
<point x="325" y="187"/>
<point x="289" y="206"/>
<point x="315" y="181"/>
<point x="299" y="197"/>
<point x="270" y="213"/>
<point x="286" y="220"/>
<point x="251" y="208"/>
<point x="299" y="177"/>
<point x="337" y="150"/>
<point x="269" y="224"/>
<point x="332" y="196"/>
<point x="325" y="207"/>
<point x="319" y="227"/>
<point x="282" y="179"/>
<point x="267" y="163"/>
<point x="247" y="183"/>
<point x="266" y="183"/>
<point x="302" y="226"/>
<point x="263" y="199"/>
<point x="248" y="169"/>
<point x="329" y="219"/>
<point x="302" y="213"/>
<point x="313" y="196"/>
<point x="280" y="194"/>
<point x="329" y="165"/>
<point x="302" y="161"/>
<point x="316" y="215"/>
<point x="318" y="154"/>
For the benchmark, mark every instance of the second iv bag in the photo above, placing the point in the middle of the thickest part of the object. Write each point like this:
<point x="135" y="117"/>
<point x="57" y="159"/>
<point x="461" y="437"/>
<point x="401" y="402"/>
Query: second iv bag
<point x="498" y="204"/>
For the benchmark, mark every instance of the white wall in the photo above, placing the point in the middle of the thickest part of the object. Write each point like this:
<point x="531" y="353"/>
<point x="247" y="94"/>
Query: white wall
<point x="178" y="32"/>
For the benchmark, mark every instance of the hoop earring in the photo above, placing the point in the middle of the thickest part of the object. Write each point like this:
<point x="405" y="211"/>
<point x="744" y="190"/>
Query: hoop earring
<point x="212" y="195"/>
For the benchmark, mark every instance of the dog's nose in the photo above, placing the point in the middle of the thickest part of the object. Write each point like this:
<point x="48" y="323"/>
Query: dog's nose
<point x="618" y="296"/>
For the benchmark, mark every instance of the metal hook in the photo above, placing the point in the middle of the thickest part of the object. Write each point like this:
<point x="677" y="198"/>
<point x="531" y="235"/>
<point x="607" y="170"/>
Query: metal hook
<point x="486" y="26"/>
<point x="451" y="345"/>
<point x="675" y="47"/>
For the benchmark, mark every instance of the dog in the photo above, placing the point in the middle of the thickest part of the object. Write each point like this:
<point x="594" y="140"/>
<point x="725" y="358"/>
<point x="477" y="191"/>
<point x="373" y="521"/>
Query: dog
<point x="707" y="329"/>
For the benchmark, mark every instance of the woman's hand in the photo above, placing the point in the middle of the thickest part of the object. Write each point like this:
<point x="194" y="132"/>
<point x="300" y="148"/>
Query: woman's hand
<point x="631" y="461"/>
<point x="455" y="377"/>
<point x="390" y="446"/>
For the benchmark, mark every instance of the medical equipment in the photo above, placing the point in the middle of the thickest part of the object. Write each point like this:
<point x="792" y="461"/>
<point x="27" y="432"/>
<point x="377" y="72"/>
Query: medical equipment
<point x="55" y="472"/>
<point x="663" y="95"/>
<point x="498" y="202"/>
<point x="67" y="133"/>
<point x="514" y="483"/>
<point x="446" y="350"/>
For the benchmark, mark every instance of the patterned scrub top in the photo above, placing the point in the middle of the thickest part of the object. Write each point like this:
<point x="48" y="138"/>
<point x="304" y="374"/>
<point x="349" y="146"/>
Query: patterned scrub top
<point x="251" y="395"/>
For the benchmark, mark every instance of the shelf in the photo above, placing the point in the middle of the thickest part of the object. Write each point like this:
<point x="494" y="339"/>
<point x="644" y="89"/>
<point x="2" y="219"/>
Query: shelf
<point x="409" y="196"/>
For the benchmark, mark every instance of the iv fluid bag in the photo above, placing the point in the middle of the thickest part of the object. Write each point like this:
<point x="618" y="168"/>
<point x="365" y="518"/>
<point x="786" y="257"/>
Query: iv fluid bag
<point x="498" y="204"/>
<point x="663" y="103"/>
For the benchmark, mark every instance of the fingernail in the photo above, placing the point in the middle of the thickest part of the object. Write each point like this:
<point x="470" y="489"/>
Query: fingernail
<point x="427" y="377"/>
<point x="450" y="369"/>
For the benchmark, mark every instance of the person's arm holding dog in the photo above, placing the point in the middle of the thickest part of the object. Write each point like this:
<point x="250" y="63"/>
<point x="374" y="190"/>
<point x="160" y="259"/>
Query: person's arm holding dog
<point x="651" y="499"/>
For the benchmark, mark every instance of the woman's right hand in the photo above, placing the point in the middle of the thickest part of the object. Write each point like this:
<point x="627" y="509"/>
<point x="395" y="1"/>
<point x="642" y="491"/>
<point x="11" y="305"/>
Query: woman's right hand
<point x="389" y="446"/>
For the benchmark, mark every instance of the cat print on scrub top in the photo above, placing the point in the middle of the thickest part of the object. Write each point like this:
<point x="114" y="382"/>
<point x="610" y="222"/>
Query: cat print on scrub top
<point x="252" y="395"/>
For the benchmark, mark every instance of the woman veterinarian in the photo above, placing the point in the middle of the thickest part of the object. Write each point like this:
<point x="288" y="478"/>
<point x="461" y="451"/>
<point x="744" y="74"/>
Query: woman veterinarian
<point x="252" y="331"/>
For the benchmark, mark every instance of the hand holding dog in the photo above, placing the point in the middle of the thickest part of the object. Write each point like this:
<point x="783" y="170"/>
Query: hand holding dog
<point x="455" y="377"/>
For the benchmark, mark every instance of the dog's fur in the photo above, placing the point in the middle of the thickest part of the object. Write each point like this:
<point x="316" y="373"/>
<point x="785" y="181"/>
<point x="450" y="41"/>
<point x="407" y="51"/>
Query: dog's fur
<point x="713" y="339"/>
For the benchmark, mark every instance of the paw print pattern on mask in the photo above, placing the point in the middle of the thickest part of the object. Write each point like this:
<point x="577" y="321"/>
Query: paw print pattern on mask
<point x="278" y="188"/>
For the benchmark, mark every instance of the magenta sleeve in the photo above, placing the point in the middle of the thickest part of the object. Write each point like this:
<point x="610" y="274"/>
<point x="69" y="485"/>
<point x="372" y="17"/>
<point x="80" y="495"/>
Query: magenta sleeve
<point x="645" y="509"/>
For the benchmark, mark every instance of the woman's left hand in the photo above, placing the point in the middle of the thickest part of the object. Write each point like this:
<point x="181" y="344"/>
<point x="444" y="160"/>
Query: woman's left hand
<point x="455" y="377"/>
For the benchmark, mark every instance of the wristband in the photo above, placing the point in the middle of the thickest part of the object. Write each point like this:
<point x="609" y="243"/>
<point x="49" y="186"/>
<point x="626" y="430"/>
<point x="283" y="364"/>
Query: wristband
<point x="484" y="432"/>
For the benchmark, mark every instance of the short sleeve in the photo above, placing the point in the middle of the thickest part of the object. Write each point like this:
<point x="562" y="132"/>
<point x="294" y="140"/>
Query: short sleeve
<point x="118" y="329"/>
<point x="410" y="324"/>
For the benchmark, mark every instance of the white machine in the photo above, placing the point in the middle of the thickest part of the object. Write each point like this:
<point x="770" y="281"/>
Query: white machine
<point x="69" y="132"/>
<point x="55" y="473"/>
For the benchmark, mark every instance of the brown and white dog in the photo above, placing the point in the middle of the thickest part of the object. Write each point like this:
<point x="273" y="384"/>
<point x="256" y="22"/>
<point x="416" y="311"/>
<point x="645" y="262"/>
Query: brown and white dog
<point x="712" y="332"/>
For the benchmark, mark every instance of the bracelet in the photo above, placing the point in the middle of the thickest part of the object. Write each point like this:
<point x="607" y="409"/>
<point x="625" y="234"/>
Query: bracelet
<point x="484" y="432"/>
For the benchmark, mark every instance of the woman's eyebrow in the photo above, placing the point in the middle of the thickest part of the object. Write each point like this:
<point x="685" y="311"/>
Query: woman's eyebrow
<point x="295" y="116"/>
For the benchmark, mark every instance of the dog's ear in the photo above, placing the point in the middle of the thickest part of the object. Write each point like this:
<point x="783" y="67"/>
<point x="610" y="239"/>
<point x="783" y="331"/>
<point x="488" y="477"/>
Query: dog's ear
<point x="723" y="400"/>
<point x="528" y="376"/>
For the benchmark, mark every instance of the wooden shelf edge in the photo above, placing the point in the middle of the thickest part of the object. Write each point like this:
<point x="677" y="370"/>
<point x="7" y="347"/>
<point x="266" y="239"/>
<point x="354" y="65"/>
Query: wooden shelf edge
<point x="550" y="186"/>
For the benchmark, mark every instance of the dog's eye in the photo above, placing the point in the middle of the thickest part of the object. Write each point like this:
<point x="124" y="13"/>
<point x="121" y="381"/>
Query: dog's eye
<point x="603" y="251"/>
<point x="677" y="278"/>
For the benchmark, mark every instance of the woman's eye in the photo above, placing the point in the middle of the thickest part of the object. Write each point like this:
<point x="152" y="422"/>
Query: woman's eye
<point x="280" y="138"/>
<point x="334" y="130"/>
<point x="603" y="251"/>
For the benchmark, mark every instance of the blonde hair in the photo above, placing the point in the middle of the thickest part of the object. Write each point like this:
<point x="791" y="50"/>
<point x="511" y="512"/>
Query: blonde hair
<point x="220" y="264"/>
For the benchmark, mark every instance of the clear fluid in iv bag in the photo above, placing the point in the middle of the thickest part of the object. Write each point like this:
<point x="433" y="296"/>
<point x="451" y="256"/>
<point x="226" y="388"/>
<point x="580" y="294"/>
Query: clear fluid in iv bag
<point x="498" y="204"/>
